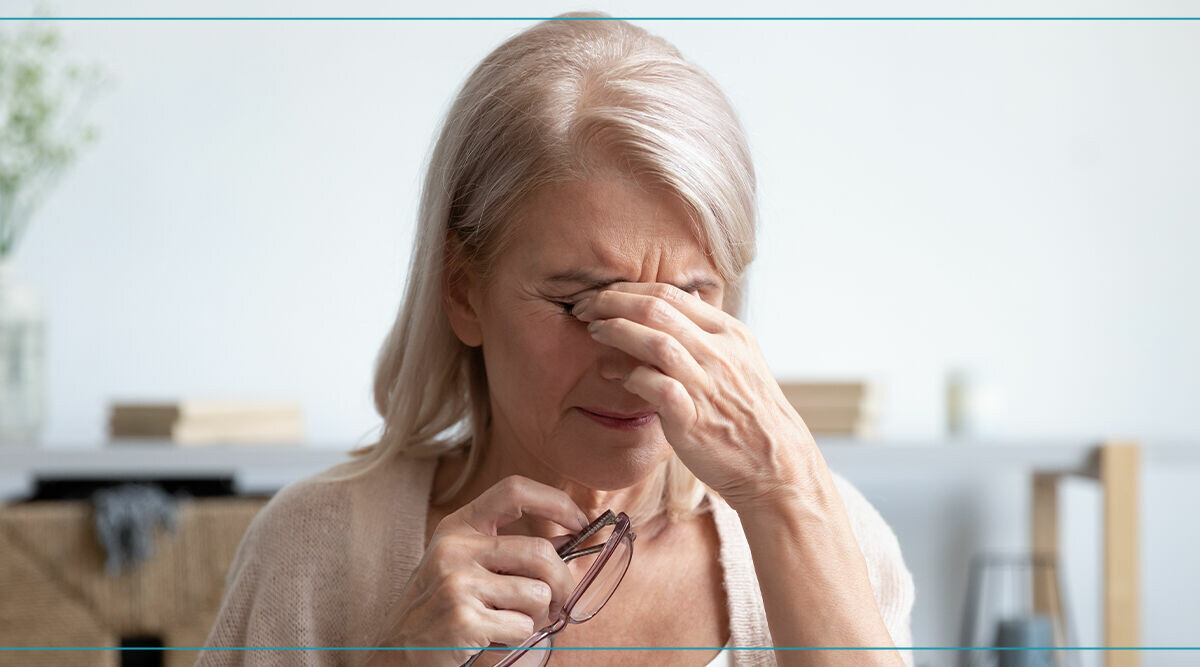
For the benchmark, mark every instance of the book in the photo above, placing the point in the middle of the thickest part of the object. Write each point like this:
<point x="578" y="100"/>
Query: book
<point x="160" y="412"/>
<point x="865" y="429"/>
<point x="836" y="414"/>
<point x="827" y="393"/>
<point x="208" y="421"/>
<point x="842" y="408"/>
<point x="266" y="431"/>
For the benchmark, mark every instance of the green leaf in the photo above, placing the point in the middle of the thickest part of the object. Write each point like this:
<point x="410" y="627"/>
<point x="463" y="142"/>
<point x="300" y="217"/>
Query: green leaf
<point x="43" y="101"/>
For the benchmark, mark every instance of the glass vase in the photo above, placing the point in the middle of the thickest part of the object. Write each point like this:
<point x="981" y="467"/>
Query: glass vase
<point x="22" y="361"/>
<point x="1016" y="614"/>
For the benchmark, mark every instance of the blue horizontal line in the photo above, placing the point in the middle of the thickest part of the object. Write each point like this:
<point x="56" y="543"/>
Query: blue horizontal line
<point x="604" y="648"/>
<point x="607" y="18"/>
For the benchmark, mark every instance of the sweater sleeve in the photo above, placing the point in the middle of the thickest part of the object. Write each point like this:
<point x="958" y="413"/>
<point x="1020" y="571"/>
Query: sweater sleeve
<point x="284" y="586"/>
<point x="891" y="581"/>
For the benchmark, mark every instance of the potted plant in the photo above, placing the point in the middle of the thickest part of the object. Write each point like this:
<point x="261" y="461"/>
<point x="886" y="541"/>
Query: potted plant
<point x="42" y="100"/>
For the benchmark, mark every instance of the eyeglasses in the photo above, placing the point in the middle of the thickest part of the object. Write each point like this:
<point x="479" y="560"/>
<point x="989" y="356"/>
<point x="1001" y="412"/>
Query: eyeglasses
<point x="611" y="559"/>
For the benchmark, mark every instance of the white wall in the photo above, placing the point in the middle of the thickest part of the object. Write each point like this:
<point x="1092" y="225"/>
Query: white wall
<point x="1019" y="198"/>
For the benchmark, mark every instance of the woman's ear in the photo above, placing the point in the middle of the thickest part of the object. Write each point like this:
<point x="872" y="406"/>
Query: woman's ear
<point x="458" y="288"/>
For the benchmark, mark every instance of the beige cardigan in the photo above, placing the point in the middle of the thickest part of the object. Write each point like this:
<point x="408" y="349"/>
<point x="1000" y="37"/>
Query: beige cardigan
<point x="325" y="560"/>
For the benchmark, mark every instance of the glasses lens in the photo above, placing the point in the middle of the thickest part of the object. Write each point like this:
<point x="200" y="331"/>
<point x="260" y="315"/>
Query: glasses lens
<point x="537" y="656"/>
<point x="606" y="581"/>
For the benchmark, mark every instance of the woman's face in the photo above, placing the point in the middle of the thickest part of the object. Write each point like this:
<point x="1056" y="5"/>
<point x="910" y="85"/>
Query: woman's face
<point x="547" y="377"/>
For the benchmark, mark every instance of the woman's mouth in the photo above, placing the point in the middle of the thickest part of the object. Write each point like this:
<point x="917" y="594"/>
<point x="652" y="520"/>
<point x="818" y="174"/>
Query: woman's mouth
<point x="621" y="422"/>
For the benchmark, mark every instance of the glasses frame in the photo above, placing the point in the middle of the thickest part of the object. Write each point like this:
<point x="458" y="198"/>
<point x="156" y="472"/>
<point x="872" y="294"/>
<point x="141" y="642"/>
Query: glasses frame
<point x="569" y="552"/>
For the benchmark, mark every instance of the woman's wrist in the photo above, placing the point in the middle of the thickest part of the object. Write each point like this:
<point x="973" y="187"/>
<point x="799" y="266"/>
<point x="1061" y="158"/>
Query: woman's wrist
<point x="798" y="488"/>
<point x="813" y="575"/>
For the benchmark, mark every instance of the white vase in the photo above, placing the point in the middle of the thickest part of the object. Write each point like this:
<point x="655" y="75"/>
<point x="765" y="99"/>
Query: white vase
<point x="975" y="407"/>
<point x="22" y="361"/>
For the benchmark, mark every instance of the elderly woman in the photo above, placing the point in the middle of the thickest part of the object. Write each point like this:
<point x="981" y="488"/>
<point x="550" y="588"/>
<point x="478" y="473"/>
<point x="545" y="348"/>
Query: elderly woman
<point x="568" y="345"/>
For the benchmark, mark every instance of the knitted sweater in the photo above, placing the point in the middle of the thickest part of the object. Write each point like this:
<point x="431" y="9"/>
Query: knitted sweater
<point x="325" y="560"/>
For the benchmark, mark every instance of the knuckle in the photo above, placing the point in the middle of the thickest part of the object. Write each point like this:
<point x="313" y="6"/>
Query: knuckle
<point x="456" y="582"/>
<point x="459" y="620"/>
<point x="544" y="552"/>
<point x="657" y="312"/>
<point x="447" y="523"/>
<point x="445" y="548"/>
<point x="676" y="393"/>
<point x="740" y="330"/>
<point x="440" y="569"/>
<point x="637" y="374"/>
<point x="663" y="347"/>
<point x="437" y="555"/>
<point x="539" y="592"/>
<point x="666" y="292"/>
<point x="513" y="484"/>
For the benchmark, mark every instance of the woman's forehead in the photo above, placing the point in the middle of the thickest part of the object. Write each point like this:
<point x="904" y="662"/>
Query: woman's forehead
<point x="609" y="229"/>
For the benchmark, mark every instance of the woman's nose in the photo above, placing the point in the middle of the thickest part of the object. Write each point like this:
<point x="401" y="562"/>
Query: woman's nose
<point x="616" y="365"/>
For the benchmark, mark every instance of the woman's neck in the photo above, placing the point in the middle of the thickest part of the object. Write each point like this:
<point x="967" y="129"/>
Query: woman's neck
<point x="502" y="457"/>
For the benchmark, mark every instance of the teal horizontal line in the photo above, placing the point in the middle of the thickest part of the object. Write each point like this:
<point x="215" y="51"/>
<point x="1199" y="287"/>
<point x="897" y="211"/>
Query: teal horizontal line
<point x="607" y="18"/>
<point x="604" y="648"/>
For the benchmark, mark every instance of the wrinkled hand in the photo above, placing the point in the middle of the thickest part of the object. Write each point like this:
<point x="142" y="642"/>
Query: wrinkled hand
<point x="476" y="588"/>
<point x="719" y="404"/>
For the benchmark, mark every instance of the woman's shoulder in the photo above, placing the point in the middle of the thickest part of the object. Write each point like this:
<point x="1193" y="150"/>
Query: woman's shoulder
<point x="323" y="558"/>
<point x="339" y="506"/>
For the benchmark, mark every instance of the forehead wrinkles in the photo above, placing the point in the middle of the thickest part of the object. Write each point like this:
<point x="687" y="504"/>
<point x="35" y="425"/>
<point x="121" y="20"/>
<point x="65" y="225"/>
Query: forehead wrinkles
<point x="648" y="258"/>
<point x="667" y="246"/>
<point x="607" y="227"/>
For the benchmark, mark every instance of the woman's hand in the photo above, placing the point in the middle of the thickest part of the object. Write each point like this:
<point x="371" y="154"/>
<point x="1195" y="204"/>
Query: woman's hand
<point x="475" y="587"/>
<point x="720" y="406"/>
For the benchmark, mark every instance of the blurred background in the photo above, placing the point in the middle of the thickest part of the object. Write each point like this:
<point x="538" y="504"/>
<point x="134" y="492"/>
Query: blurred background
<point x="997" y="214"/>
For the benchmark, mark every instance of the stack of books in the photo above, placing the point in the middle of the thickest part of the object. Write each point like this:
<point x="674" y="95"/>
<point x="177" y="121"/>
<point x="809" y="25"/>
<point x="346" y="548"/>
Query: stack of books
<point x="834" y="408"/>
<point x="207" y="422"/>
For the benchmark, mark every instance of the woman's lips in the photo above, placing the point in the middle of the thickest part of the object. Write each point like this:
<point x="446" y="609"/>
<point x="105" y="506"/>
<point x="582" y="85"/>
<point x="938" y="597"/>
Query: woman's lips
<point x="629" y="423"/>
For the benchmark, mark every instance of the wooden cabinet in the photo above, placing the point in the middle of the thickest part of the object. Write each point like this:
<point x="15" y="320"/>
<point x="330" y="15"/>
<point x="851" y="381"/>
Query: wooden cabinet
<point x="56" y="592"/>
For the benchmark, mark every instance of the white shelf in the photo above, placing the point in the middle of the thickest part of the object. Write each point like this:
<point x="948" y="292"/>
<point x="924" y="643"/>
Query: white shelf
<point x="254" y="468"/>
<point x="912" y="458"/>
<point x="266" y="468"/>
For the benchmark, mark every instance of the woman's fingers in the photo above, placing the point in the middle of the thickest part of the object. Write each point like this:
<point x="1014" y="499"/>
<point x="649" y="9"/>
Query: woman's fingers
<point x="652" y="347"/>
<point x="530" y="597"/>
<point x="514" y="497"/>
<point x="535" y="561"/>
<point x="499" y="650"/>
<point x="675" y="405"/>
<point x="506" y="627"/>
<point x="475" y="587"/>
<point x="645" y="309"/>
<point x="655" y="305"/>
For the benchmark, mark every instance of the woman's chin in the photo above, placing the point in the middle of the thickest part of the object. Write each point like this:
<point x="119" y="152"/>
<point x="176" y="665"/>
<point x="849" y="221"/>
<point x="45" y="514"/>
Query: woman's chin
<point x="606" y="467"/>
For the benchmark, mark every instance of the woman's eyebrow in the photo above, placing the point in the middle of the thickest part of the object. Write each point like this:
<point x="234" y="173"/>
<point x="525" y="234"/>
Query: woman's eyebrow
<point x="590" y="280"/>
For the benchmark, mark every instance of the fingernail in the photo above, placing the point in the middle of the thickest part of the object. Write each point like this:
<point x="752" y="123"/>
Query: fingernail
<point x="594" y="325"/>
<point x="581" y="304"/>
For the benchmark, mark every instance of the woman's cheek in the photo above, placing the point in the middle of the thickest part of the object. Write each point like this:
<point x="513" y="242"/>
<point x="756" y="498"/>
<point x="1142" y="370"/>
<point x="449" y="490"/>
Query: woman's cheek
<point x="539" y="346"/>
